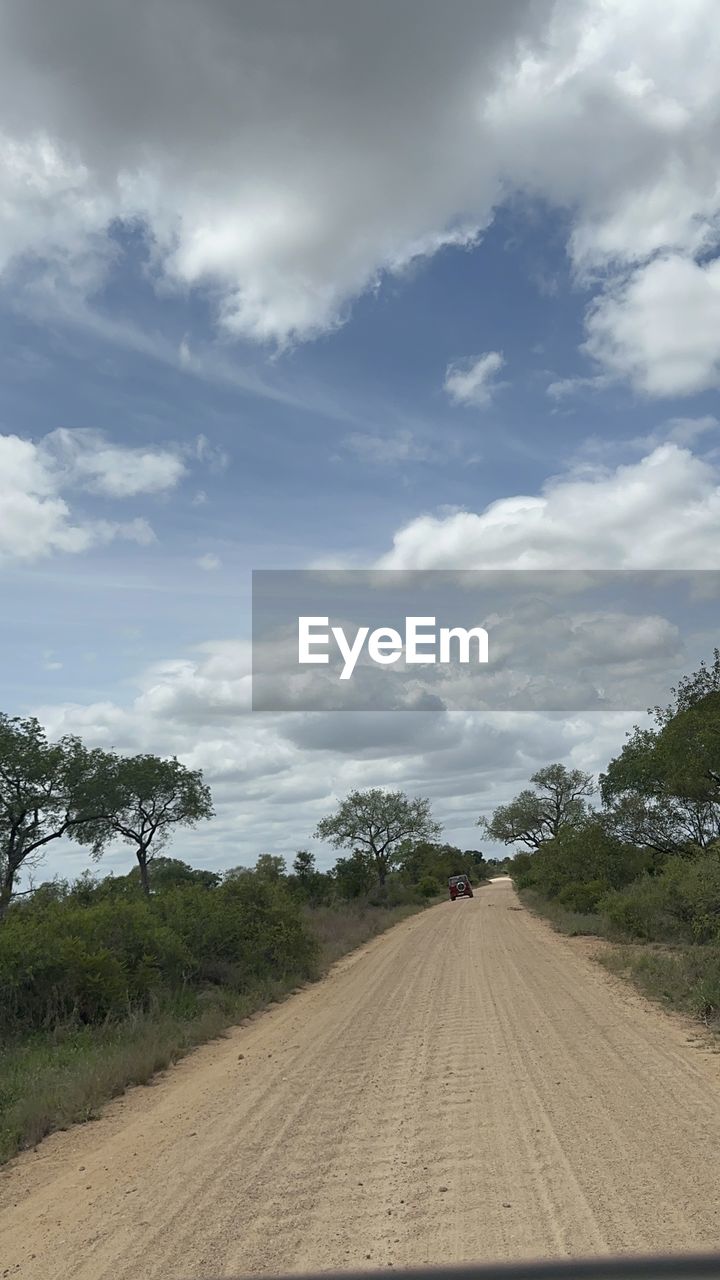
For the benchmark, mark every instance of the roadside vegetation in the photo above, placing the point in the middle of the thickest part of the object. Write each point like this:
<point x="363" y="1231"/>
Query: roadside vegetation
<point x="635" y="858"/>
<point x="107" y="979"/>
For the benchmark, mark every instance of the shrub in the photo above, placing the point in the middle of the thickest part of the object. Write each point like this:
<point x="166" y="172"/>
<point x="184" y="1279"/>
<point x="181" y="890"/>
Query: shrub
<point x="681" y="903"/>
<point x="392" y="894"/>
<point x="429" y="887"/>
<point x="91" y="959"/>
<point x="83" y="963"/>
<point x="249" y="923"/>
<point x="582" y="897"/>
<point x="640" y="910"/>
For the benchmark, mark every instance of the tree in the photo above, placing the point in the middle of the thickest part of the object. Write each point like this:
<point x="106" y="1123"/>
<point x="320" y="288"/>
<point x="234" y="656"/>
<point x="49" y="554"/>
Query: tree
<point x="582" y="863"/>
<point x="560" y="800"/>
<point x="354" y="876"/>
<point x="47" y="791"/>
<point x="171" y="873"/>
<point x="271" y="868"/>
<point x="426" y="860"/>
<point x="691" y="690"/>
<point x="307" y="883"/>
<point x="379" y="823"/>
<point x="663" y="790"/>
<point x="148" y="797"/>
<point x="688" y="752"/>
<point x="304" y="865"/>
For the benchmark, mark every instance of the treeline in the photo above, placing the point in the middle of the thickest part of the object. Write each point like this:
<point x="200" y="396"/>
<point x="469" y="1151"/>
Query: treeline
<point x="101" y="948"/>
<point x="640" y="850"/>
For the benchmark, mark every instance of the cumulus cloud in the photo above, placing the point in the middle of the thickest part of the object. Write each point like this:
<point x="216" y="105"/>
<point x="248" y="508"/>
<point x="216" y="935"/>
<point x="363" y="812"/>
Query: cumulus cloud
<point x="261" y="165"/>
<point x="662" y="512"/>
<point x="277" y="179"/>
<point x="36" y="520"/>
<point x="274" y="777"/>
<point x="87" y="459"/>
<point x="661" y="328"/>
<point x="473" y="381"/>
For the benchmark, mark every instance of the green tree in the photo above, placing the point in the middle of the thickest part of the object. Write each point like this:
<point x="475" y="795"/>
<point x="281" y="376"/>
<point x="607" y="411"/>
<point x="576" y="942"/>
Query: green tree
<point x="354" y="876"/>
<point x="306" y="882"/>
<point x="304" y="865"/>
<point x="584" y="862"/>
<point x="148" y="797"/>
<point x="559" y="800"/>
<point x="47" y="791"/>
<point x="688" y="752"/>
<point x="379" y="823"/>
<point x="171" y="873"/>
<point x="270" y="867"/>
<point x="691" y="689"/>
<point x="663" y="790"/>
<point x="427" y="859"/>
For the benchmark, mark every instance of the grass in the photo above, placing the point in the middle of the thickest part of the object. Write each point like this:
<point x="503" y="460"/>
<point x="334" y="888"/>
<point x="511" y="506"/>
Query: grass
<point x="686" y="978"/>
<point x="52" y="1080"/>
<point x="573" y="924"/>
<point x="678" y="976"/>
<point x="343" y="930"/>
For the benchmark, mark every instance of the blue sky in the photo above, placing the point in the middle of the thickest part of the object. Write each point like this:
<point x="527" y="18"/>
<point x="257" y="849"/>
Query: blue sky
<point x="445" y="300"/>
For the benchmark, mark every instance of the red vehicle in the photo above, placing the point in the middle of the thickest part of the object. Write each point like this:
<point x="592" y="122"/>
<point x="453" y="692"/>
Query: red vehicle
<point x="459" y="887"/>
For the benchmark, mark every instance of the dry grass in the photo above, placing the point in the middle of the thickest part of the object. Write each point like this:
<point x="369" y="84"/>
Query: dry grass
<point x="342" y="929"/>
<point x="572" y="923"/>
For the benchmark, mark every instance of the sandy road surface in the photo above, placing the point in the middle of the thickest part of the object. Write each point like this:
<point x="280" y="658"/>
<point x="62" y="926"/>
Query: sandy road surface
<point x="467" y="1087"/>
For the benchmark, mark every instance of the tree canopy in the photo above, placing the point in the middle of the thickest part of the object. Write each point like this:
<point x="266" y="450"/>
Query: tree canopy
<point x="378" y="823"/>
<point x="47" y="791"/>
<point x="147" y="796"/>
<point x="559" y="800"/>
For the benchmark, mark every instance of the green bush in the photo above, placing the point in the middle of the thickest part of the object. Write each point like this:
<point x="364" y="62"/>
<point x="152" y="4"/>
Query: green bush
<point x="429" y="887"/>
<point x="523" y="871"/>
<point x="86" y="960"/>
<point x="693" y="893"/>
<point x="250" y="927"/>
<point x="640" y="910"/>
<point x="577" y="896"/>
<point x="69" y="962"/>
<point x="682" y="903"/>
<point x="580" y="866"/>
<point x="392" y="894"/>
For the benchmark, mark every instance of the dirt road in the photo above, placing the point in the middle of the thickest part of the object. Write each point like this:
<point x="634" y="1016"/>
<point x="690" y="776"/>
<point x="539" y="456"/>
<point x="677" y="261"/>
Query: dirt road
<point x="468" y="1087"/>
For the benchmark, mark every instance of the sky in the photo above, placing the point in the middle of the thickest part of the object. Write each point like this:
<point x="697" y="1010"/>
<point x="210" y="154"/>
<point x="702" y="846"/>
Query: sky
<point x="407" y="286"/>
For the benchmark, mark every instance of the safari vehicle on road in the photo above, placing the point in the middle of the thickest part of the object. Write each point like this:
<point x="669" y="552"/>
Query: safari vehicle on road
<point x="459" y="887"/>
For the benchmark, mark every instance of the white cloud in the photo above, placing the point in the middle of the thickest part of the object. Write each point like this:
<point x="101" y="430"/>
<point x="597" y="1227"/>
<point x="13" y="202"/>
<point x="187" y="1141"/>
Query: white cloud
<point x="662" y="512"/>
<point x="208" y="562"/>
<point x="563" y="387"/>
<point x="89" y="460"/>
<point x="36" y="520"/>
<point x="685" y="432"/>
<point x="661" y="328"/>
<point x="273" y="777"/>
<point x="288" y="185"/>
<point x="638" y="96"/>
<point x="387" y="450"/>
<point x="210" y="455"/>
<point x="472" y="381"/>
